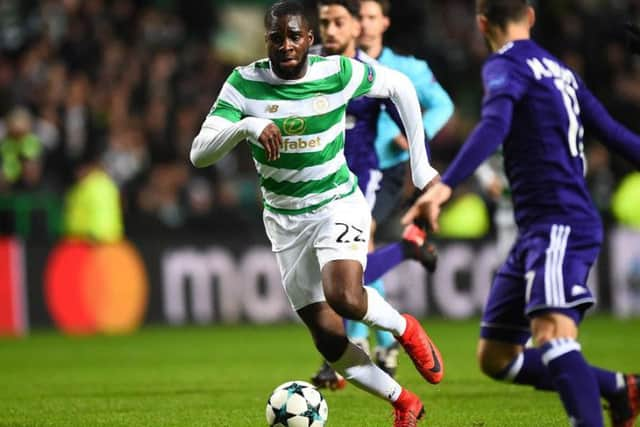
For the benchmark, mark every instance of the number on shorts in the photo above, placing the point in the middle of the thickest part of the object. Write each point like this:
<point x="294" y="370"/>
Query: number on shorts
<point x="356" y="233"/>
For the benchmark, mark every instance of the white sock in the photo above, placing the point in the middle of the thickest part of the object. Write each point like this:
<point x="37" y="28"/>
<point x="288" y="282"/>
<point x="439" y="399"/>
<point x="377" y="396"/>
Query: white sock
<point x="382" y="315"/>
<point x="360" y="370"/>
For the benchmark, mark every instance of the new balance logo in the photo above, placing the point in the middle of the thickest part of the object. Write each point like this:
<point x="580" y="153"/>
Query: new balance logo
<point x="577" y="290"/>
<point x="273" y="108"/>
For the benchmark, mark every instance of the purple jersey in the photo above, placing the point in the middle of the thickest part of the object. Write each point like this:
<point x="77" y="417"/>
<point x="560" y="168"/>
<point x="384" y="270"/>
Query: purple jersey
<point x="536" y="107"/>
<point x="543" y="153"/>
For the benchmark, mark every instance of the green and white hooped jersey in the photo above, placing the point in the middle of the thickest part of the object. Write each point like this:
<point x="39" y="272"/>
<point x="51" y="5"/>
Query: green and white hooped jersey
<point x="310" y="113"/>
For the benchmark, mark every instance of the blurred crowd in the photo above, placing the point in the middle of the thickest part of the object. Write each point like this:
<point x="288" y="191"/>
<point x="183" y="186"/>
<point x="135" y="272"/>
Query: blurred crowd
<point x="122" y="86"/>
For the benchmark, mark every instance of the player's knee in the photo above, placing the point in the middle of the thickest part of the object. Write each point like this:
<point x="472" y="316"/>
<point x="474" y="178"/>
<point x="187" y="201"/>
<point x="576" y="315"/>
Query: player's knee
<point x="489" y="365"/>
<point x="550" y="326"/>
<point x="493" y="360"/>
<point x="348" y="301"/>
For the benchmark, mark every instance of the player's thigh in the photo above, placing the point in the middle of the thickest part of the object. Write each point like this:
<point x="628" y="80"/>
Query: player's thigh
<point x="504" y="327"/>
<point x="503" y="318"/>
<point x="292" y="242"/>
<point x="344" y="233"/>
<point x="342" y="242"/>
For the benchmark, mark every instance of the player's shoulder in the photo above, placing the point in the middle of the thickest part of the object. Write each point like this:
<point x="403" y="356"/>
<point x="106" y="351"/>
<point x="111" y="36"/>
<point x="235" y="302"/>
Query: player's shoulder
<point x="256" y="71"/>
<point x="511" y="58"/>
<point x="363" y="57"/>
<point x="408" y="64"/>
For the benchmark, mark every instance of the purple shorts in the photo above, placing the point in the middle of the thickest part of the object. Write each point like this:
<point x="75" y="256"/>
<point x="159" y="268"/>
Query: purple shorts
<point x="546" y="270"/>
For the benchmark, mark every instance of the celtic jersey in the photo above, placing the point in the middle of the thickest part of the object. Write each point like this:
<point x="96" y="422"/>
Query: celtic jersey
<point x="310" y="112"/>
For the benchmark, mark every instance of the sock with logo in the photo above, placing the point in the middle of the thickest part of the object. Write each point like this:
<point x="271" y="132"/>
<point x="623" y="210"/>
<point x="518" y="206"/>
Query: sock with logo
<point x="574" y="380"/>
<point x="359" y="369"/>
<point x="527" y="368"/>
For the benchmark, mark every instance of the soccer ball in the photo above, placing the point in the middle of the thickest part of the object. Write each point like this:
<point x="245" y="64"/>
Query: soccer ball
<point x="297" y="404"/>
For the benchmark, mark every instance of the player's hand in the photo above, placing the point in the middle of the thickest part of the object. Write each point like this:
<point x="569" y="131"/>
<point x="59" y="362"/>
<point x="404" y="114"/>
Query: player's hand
<point x="401" y="142"/>
<point x="633" y="37"/>
<point x="270" y="139"/>
<point x="427" y="207"/>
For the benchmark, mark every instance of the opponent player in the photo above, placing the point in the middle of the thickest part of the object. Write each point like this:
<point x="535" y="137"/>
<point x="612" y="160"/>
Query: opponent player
<point x="339" y="25"/>
<point x="536" y="108"/>
<point x="391" y="144"/>
<point x="291" y="108"/>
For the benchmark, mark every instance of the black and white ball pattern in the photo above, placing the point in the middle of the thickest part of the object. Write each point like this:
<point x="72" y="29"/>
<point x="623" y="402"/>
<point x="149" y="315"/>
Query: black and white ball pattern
<point x="297" y="404"/>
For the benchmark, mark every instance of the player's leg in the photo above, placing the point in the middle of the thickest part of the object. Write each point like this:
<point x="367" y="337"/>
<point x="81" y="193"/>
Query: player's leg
<point x="328" y="333"/>
<point x="504" y="329"/>
<point x="369" y="183"/>
<point x="556" y="334"/>
<point x="342" y="258"/>
<point x="413" y="245"/>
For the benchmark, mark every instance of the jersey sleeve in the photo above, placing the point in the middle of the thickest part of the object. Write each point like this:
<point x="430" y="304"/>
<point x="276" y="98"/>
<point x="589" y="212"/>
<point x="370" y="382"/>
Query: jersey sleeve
<point x="229" y="104"/>
<point x="501" y="77"/>
<point x="357" y="77"/>
<point x="436" y="102"/>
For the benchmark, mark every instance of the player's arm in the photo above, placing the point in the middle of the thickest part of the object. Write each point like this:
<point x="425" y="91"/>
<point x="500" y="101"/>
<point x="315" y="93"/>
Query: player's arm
<point x="225" y="127"/>
<point x="382" y="82"/>
<point x="504" y="87"/>
<point x="613" y="134"/>
<point x="435" y="101"/>
<point x="397" y="87"/>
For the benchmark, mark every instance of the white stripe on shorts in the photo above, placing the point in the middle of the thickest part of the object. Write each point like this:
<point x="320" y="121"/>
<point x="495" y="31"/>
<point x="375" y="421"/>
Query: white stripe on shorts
<point x="553" y="277"/>
<point x="375" y="176"/>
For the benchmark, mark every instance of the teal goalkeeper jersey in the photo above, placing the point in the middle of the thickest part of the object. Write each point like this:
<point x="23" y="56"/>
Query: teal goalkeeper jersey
<point x="434" y="100"/>
<point x="310" y="113"/>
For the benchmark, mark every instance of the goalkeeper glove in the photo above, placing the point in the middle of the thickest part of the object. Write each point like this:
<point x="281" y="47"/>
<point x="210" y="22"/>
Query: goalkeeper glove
<point x="633" y="38"/>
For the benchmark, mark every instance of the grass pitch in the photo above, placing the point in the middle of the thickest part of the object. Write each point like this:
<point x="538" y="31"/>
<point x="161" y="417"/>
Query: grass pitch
<point x="223" y="375"/>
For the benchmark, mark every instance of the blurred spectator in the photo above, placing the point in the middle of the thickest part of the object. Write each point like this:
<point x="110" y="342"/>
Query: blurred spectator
<point x="20" y="151"/>
<point x="92" y="206"/>
<point x="626" y="201"/>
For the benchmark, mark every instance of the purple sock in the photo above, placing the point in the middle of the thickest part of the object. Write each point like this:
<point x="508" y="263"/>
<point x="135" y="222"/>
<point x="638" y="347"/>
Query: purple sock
<point x="382" y="260"/>
<point x="575" y="382"/>
<point x="527" y="368"/>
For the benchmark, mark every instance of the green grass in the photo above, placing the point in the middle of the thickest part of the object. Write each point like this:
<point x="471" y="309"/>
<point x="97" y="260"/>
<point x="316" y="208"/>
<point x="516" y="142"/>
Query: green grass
<point x="222" y="376"/>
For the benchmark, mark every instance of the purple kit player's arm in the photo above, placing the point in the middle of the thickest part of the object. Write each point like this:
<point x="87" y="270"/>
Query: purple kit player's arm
<point x="597" y="119"/>
<point x="503" y="87"/>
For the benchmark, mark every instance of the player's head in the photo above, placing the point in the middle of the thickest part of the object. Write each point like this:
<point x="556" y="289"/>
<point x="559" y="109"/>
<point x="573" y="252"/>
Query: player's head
<point x="288" y="37"/>
<point x="374" y="18"/>
<point x="339" y="23"/>
<point x="501" y="21"/>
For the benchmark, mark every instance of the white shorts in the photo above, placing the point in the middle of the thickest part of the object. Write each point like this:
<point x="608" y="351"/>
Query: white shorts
<point x="304" y="243"/>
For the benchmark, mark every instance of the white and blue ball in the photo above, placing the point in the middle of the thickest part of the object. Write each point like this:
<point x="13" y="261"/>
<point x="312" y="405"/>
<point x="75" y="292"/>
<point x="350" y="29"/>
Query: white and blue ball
<point x="297" y="404"/>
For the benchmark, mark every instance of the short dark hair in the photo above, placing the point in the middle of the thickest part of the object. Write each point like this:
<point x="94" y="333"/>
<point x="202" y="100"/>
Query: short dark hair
<point x="501" y="12"/>
<point x="352" y="6"/>
<point x="284" y="8"/>
<point x="385" y="5"/>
